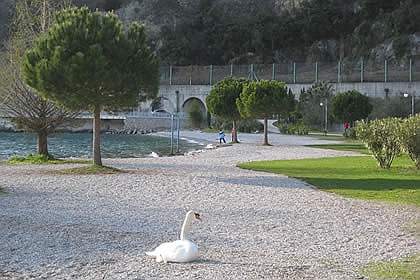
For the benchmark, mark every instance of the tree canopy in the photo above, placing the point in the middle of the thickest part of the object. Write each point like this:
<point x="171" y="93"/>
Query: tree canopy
<point x="263" y="99"/>
<point x="350" y="106"/>
<point x="221" y="100"/>
<point x="87" y="61"/>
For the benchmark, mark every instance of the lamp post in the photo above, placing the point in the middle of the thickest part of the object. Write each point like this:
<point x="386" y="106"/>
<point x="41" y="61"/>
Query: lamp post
<point x="413" y="102"/>
<point x="325" y="105"/>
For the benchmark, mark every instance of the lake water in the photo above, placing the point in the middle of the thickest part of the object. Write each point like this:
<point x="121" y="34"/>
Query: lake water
<point x="80" y="145"/>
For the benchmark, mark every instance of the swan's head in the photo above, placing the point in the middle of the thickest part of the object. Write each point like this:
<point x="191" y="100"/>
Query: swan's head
<point x="192" y="215"/>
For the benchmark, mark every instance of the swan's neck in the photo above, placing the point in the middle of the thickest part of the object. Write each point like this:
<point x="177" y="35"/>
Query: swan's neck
<point x="186" y="226"/>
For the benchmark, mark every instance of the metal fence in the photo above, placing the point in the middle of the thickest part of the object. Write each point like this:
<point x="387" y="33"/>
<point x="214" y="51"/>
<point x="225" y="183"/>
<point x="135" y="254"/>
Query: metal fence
<point x="299" y="73"/>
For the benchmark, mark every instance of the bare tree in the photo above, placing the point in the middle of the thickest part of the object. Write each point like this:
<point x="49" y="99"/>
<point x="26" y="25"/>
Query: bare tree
<point x="28" y="110"/>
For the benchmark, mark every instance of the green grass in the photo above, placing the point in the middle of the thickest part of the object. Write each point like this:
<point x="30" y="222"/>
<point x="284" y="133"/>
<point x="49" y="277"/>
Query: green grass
<point x="406" y="269"/>
<point x="90" y="170"/>
<point x="347" y="146"/>
<point x="329" y="137"/>
<point x="354" y="177"/>
<point x="2" y="191"/>
<point x="42" y="159"/>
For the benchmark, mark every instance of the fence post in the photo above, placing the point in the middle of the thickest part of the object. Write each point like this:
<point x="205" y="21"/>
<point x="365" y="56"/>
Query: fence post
<point x="191" y="70"/>
<point x="294" y="72"/>
<point x="170" y="75"/>
<point x="362" y="70"/>
<point x="316" y="71"/>
<point x="386" y="71"/>
<point x="231" y="70"/>
<point x="172" y="134"/>
<point x="411" y="70"/>
<point x="273" y="72"/>
<point x="211" y="74"/>
<point x="339" y="72"/>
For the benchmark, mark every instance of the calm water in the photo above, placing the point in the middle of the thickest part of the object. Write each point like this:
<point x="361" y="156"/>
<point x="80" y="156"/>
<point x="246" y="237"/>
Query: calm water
<point x="80" y="145"/>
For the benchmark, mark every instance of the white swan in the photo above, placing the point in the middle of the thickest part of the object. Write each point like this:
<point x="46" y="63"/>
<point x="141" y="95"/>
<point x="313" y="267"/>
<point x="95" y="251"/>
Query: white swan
<point x="181" y="250"/>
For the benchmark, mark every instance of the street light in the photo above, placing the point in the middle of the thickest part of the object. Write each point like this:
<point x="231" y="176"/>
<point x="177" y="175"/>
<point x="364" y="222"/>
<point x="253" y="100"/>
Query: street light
<point x="413" y="102"/>
<point x="325" y="105"/>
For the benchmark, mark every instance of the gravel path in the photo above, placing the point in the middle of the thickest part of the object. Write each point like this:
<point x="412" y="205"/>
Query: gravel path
<point x="255" y="225"/>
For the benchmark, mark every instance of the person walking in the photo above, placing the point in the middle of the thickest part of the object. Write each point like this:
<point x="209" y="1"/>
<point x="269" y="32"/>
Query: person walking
<point x="222" y="136"/>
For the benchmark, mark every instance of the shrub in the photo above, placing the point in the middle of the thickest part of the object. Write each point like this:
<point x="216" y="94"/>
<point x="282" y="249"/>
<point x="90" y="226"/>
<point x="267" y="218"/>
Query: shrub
<point x="382" y="139"/>
<point x="298" y="128"/>
<point x="350" y="133"/>
<point x="410" y="138"/>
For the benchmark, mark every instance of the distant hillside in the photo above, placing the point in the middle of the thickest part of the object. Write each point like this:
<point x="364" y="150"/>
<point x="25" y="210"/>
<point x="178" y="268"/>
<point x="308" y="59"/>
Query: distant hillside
<point x="206" y="32"/>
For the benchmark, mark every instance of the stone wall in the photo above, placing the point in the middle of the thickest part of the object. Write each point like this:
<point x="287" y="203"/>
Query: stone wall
<point x="156" y="124"/>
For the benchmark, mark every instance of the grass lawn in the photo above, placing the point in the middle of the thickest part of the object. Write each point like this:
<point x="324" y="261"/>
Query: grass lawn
<point x="347" y="146"/>
<point x="354" y="177"/>
<point x="407" y="269"/>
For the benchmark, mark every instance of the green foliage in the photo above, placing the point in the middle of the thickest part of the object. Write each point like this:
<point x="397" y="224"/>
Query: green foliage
<point x="195" y="113"/>
<point x="221" y="100"/>
<point x="350" y="106"/>
<point x="382" y="138"/>
<point x="32" y="159"/>
<point x="395" y="106"/>
<point x="298" y="128"/>
<point x="87" y="59"/>
<point x="263" y="99"/>
<point x="309" y="102"/>
<point x="350" y="133"/>
<point x="246" y="126"/>
<point x="406" y="269"/>
<point x="93" y="169"/>
<point x="354" y="177"/>
<point x="41" y="159"/>
<point x="410" y="138"/>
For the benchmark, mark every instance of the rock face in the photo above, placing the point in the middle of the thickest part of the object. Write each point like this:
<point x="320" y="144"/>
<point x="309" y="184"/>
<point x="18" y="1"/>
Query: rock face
<point x="371" y="39"/>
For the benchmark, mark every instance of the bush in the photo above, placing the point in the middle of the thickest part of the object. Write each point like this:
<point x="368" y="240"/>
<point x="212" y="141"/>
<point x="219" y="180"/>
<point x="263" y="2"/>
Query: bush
<point x="298" y="128"/>
<point x="350" y="133"/>
<point x="382" y="138"/>
<point x="410" y="138"/>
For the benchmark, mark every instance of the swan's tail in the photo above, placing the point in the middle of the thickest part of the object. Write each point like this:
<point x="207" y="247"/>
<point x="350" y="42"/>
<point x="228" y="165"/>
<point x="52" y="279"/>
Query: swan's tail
<point x="152" y="253"/>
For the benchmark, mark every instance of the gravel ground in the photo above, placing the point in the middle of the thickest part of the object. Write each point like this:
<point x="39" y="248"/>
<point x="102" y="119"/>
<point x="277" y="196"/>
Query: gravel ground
<point x="255" y="225"/>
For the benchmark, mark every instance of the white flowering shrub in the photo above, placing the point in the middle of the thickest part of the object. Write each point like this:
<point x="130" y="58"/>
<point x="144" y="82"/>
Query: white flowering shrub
<point x="410" y="138"/>
<point x="382" y="138"/>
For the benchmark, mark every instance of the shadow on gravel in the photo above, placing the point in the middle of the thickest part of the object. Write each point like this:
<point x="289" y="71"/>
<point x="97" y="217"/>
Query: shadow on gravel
<point x="265" y="181"/>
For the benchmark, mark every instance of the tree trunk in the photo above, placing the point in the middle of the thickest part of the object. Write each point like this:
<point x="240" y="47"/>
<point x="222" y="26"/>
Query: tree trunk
<point x="265" y="131"/>
<point x="42" y="144"/>
<point x="97" y="135"/>
<point x="234" y="132"/>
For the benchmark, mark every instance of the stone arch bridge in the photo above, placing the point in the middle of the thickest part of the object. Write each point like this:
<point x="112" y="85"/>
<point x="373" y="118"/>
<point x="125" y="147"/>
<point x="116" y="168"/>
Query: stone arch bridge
<point x="175" y="98"/>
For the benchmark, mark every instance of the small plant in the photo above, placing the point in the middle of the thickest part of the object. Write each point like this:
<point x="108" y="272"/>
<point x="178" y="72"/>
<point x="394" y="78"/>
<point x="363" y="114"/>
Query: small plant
<point x="410" y="138"/>
<point x="32" y="159"/>
<point x="382" y="139"/>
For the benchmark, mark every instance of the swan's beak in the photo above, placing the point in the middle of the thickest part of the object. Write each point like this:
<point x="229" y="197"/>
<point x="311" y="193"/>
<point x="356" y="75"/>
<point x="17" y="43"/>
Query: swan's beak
<point x="197" y="216"/>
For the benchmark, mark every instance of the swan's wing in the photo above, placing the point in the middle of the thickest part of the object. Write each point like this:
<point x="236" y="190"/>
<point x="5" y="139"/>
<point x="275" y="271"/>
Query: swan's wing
<point x="159" y="252"/>
<point x="177" y="251"/>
